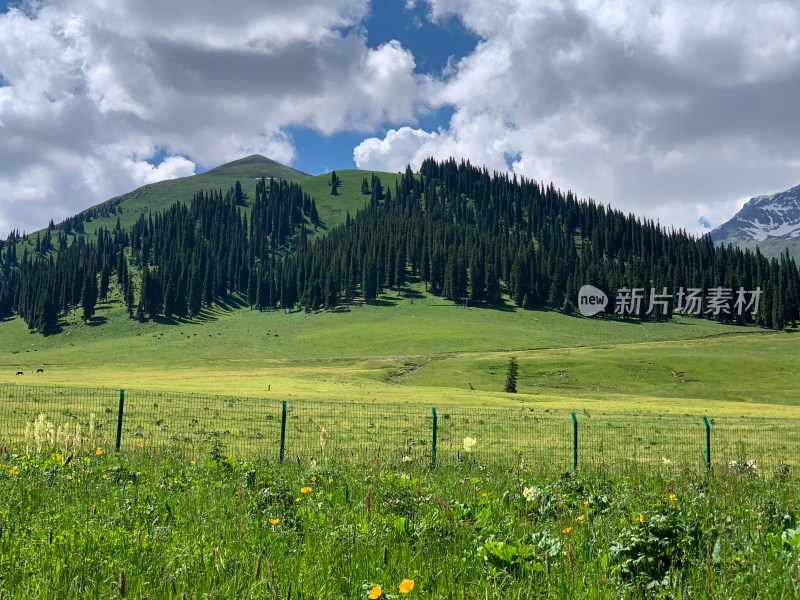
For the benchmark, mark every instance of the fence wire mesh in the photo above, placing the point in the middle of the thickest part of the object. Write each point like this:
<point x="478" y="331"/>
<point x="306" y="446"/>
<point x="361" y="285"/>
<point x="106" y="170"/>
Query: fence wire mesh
<point x="38" y="418"/>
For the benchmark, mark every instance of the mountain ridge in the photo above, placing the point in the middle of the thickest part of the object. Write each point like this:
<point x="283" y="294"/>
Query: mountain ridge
<point x="769" y="221"/>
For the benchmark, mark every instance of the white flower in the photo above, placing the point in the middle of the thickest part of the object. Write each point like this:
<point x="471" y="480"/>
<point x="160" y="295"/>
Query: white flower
<point x="530" y="493"/>
<point x="732" y="464"/>
<point x="469" y="443"/>
<point x="407" y="458"/>
<point x="665" y="460"/>
<point x="751" y="464"/>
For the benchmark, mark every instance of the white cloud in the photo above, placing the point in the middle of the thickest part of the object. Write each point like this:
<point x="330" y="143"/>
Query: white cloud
<point x="94" y="87"/>
<point x="673" y="110"/>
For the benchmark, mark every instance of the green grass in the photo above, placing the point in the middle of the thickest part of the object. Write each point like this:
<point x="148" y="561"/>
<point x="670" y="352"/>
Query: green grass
<point x="218" y="527"/>
<point x="421" y="349"/>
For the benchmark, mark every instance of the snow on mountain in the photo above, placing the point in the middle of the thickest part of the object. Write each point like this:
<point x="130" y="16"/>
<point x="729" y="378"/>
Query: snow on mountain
<point x="772" y="217"/>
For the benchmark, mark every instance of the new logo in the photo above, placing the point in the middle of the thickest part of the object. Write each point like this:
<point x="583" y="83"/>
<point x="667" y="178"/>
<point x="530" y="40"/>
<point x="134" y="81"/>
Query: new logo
<point x="591" y="300"/>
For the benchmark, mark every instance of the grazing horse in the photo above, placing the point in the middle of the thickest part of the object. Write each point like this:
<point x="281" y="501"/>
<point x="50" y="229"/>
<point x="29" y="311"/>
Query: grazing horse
<point x="40" y="370"/>
<point x="20" y="373"/>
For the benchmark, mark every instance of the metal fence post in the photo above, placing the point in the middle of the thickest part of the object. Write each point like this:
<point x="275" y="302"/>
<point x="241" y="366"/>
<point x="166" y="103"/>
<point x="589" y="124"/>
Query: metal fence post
<point x="574" y="443"/>
<point x="708" y="443"/>
<point x="119" y="417"/>
<point x="283" y="429"/>
<point x="433" y="446"/>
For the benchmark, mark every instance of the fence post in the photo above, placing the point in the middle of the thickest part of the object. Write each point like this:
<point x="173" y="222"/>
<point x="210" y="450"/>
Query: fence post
<point x="708" y="443"/>
<point x="119" y="417"/>
<point x="574" y="443"/>
<point x="283" y="429"/>
<point x="433" y="446"/>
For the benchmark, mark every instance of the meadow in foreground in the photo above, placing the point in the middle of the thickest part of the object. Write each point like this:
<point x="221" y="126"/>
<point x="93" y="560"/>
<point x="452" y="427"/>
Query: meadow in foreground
<point x="157" y="525"/>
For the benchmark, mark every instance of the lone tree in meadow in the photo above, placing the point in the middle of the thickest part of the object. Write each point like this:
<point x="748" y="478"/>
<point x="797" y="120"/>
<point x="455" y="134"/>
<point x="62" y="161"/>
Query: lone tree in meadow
<point x="335" y="183"/>
<point x="511" y="376"/>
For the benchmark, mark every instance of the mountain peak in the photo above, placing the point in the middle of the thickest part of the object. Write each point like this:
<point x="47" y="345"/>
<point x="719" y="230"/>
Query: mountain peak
<point x="256" y="166"/>
<point x="762" y="218"/>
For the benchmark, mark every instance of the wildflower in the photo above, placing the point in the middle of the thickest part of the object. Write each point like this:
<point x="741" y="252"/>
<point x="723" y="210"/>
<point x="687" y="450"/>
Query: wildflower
<point x="665" y="460"/>
<point x="406" y="586"/>
<point x="105" y="476"/>
<point x="672" y="497"/>
<point x="141" y="444"/>
<point x="758" y="526"/>
<point x="58" y="457"/>
<point x="99" y="451"/>
<point x="530" y="494"/>
<point x="274" y="521"/>
<point x="193" y="462"/>
<point x="14" y="471"/>
<point x="580" y="517"/>
<point x="469" y="443"/>
<point x="566" y="530"/>
<point x="305" y="490"/>
<point x="314" y="478"/>
<point x="102" y="500"/>
<point x="640" y="518"/>
<point x="407" y="459"/>
<point x="586" y="503"/>
<point x="330" y="479"/>
<point x="376" y="592"/>
<point x="297" y="499"/>
<point x="483" y="495"/>
<point x="751" y="464"/>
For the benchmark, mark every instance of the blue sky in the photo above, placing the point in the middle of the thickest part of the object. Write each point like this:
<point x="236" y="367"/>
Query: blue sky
<point x="676" y="110"/>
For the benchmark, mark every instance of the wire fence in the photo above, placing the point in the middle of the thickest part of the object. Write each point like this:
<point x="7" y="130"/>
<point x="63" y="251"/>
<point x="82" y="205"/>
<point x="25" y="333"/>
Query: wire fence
<point x="39" y="419"/>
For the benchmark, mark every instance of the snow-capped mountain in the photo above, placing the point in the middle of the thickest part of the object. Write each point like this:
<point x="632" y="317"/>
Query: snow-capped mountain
<point x="764" y="219"/>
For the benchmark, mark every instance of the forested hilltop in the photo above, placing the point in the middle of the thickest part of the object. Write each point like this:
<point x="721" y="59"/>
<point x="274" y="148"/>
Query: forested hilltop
<point x="469" y="236"/>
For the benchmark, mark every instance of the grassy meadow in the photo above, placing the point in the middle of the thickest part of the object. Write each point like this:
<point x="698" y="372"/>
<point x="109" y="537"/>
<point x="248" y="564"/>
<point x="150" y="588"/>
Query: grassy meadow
<point x="155" y="525"/>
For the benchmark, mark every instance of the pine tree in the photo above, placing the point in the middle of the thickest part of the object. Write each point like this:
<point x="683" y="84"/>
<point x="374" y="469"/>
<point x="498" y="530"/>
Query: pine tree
<point x="89" y="295"/>
<point x="511" y="376"/>
<point x="334" y="183"/>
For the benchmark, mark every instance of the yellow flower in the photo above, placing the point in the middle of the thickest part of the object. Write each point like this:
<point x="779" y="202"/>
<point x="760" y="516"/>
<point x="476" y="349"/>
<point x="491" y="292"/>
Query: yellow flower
<point x="330" y="479"/>
<point x="58" y="457"/>
<point x="103" y="500"/>
<point x="672" y="497"/>
<point x="274" y="521"/>
<point x="194" y="461"/>
<point x="566" y="530"/>
<point x="314" y="478"/>
<point x="483" y="495"/>
<point x="406" y="586"/>
<point x="105" y="476"/>
<point x="98" y="452"/>
<point x="758" y="526"/>
<point x="305" y="490"/>
<point x="14" y="471"/>
<point x="640" y="518"/>
<point x="297" y="499"/>
<point x="586" y="503"/>
<point x="375" y="593"/>
<point x="141" y="444"/>
<point x="579" y="517"/>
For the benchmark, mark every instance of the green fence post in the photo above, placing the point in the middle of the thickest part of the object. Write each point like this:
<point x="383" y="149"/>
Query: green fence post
<point x="574" y="443"/>
<point x="708" y="443"/>
<point x="283" y="429"/>
<point x="119" y="417"/>
<point x="433" y="446"/>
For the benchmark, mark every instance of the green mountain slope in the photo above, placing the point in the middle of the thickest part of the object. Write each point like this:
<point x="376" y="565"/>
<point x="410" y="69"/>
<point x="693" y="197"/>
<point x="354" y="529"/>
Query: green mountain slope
<point x="156" y="197"/>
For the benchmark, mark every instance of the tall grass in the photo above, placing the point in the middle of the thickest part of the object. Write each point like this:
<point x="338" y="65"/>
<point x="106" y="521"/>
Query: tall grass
<point x="152" y="524"/>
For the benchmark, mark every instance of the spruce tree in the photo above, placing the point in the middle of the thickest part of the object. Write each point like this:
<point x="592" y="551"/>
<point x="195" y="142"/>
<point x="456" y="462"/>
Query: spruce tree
<point x="511" y="376"/>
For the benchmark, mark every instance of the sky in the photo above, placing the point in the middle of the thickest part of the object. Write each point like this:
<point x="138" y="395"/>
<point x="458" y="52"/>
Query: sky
<point x="674" y="110"/>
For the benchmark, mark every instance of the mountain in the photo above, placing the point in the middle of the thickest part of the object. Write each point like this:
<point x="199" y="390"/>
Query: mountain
<point x="771" y="222"/>
<point x="154" y="198"/>
<point x="342" y="239"/>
